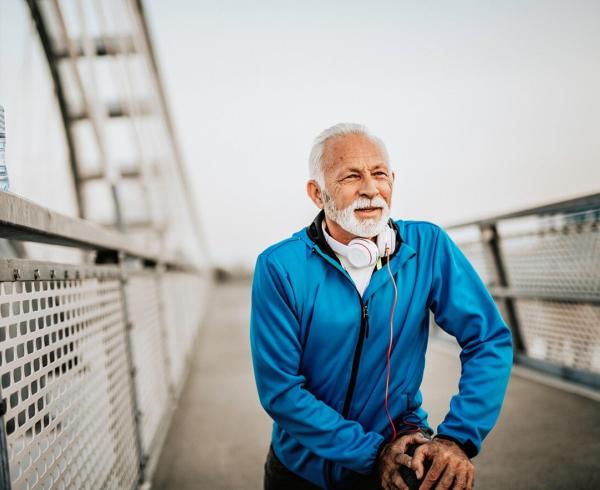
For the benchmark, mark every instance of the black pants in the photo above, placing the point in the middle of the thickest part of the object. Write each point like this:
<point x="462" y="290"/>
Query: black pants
<point x="278" y="477"/>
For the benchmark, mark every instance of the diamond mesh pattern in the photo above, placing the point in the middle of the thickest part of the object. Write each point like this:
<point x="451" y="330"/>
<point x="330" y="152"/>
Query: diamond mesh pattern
<point x="563" y="333"/>
<point x="553" y="255"/>
<point x="65" y="377"/>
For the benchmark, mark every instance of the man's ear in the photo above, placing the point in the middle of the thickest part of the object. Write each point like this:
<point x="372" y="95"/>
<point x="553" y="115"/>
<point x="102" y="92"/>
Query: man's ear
<point x="314" y="192"/>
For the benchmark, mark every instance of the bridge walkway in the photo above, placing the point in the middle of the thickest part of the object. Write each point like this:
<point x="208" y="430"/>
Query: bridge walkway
<point x="546" y="438"/>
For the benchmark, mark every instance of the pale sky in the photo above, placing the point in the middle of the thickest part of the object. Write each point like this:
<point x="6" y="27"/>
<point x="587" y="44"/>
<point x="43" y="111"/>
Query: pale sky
<point x="485" y="106"/>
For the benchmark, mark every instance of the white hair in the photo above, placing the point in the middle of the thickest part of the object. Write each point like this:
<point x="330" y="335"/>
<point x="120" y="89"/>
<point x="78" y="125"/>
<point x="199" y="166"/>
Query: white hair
<point x="315" y="161"/>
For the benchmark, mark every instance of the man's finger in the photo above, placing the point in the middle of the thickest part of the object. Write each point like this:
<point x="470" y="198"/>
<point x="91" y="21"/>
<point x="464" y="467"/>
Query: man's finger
<point x="433" y="475"/>
<point x="460" y="479"/>
<point x="404" y="459"/>
<point x="398" y="482"/>
<point x="446" y="479"/>
<point x="470" y="479"/>
<point x="417" y="438"/>
<point x="418" y="460"/>
<point x="385" y="480"/>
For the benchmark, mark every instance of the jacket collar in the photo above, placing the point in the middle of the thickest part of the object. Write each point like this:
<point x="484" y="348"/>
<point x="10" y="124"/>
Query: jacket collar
<point x="314" y="237"/>
<point x="315" y="233"/>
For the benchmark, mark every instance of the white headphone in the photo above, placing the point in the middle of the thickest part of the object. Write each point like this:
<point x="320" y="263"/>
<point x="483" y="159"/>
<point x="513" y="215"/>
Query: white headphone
<point x="362" y="252"/>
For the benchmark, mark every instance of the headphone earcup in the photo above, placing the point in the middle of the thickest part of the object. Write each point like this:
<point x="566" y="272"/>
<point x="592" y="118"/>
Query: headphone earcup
<point x="362" y="252"/>
<point x="387" y="237"/>
<point x="392" y="240"/>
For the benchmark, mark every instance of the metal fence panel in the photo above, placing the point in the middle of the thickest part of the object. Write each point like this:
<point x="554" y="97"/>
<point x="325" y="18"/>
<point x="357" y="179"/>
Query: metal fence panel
<point x="567" y="334"/>
<point x="65" y="378"/>
<point x="557" y="255"/>
<point x="184" y="296"/>
<point x="149" y="355"/>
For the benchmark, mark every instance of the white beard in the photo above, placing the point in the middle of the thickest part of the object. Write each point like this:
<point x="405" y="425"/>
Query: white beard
<point x="347" y="219"/>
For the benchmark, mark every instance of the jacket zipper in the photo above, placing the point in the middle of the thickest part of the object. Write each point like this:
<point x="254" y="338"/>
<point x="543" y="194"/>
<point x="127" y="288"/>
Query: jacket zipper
<point x="364" y="328"/>
<point x="363" y="333"/>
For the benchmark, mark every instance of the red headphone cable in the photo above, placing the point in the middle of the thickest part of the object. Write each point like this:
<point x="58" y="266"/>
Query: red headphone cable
<point x="413" y="427"/>
<point x="389" y="350"/>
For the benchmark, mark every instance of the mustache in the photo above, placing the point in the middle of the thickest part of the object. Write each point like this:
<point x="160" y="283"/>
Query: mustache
<point x="363" y="202"/>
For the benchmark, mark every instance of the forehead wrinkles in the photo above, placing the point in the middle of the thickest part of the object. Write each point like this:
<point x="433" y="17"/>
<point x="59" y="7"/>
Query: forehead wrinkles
<point x="351" y="151"/>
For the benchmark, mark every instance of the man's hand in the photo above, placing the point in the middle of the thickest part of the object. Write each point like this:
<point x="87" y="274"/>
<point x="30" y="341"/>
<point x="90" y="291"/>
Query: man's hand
<point x="450" y="466"/>
<point x="393" y="455"/>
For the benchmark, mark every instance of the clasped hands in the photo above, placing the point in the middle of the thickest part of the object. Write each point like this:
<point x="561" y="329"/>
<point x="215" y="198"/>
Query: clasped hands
<point x="450" y="466"/>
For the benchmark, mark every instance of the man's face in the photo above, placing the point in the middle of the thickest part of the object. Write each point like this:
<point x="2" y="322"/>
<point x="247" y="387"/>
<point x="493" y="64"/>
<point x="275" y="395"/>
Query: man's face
<point x="356" y="171"/>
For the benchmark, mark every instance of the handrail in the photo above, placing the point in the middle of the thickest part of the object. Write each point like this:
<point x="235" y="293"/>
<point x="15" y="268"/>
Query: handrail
<point x="569" y="205"/>
<point x="22" y="219"/>
<point x="25" y="220"/>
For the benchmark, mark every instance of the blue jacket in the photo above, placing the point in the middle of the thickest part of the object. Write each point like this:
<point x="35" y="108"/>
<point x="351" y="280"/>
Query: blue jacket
<point x="319" y="349"/>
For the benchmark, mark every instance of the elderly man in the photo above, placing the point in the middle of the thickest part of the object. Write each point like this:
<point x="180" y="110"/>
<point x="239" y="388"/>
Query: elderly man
<point x="339" y="329"/>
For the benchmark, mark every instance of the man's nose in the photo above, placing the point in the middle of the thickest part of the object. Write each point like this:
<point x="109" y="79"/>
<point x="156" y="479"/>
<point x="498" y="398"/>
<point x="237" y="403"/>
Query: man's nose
<point x="368" y="187"/>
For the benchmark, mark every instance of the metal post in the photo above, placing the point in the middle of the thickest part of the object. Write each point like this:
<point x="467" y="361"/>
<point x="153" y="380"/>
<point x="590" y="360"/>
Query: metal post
<point x="117" y="258"/>
<point x="164" y="326"/>
<point x="160" y="436"/>
<point x="491" y="239"/>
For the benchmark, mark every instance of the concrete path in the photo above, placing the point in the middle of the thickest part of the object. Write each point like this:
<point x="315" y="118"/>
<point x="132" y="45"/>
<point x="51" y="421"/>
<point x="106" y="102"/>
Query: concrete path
<point x="546" y="438"/>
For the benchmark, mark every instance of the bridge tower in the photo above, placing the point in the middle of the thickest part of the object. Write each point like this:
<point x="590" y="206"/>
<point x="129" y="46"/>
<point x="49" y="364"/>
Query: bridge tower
<point x="125" y="161"/>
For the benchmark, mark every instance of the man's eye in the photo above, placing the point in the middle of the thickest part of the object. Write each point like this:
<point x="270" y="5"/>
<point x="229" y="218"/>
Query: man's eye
<point x="350" y="177"/>
<point x="381" y="174"/>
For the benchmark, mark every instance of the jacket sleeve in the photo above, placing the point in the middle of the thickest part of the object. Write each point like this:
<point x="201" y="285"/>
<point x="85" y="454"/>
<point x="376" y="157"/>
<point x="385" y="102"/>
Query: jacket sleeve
<point x="276" y="355"/>
<point x="463" y="307"/>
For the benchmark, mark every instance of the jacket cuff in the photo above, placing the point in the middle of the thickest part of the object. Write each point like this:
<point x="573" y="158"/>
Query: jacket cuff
<point x="469" y="448"/>
<point x="379" y="451"/>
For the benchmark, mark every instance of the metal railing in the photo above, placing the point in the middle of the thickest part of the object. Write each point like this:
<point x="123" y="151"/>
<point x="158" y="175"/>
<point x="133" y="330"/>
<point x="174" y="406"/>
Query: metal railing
<point x="542" y="266"/>
<point x="92" y="355"/>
